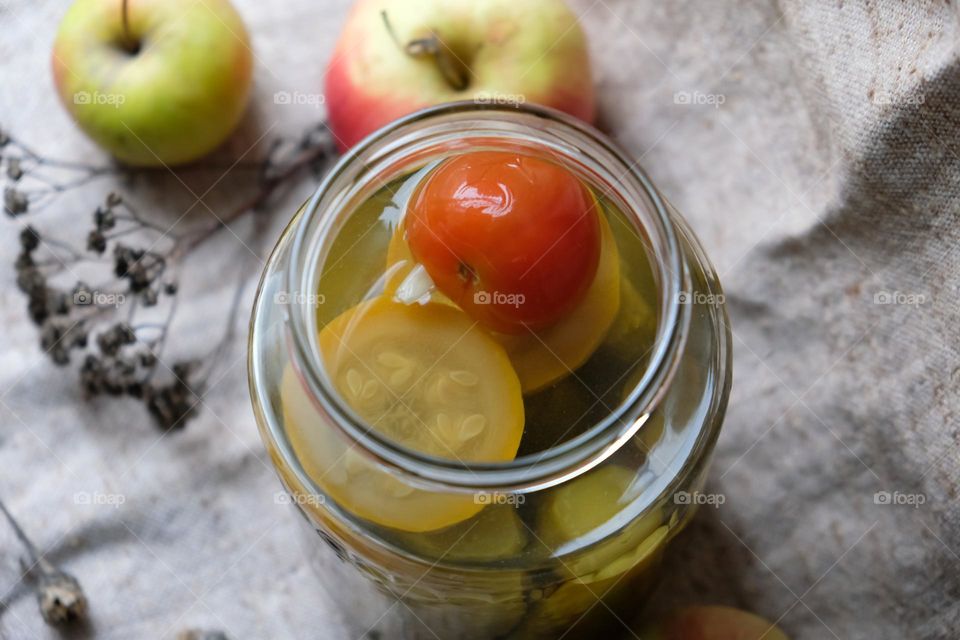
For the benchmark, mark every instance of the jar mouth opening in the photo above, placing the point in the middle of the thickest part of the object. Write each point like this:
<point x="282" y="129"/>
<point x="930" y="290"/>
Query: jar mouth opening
<point x="529" y="472"/>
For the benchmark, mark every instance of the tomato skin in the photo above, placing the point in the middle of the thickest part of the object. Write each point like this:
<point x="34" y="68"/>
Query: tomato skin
<point x="513" y="239"/>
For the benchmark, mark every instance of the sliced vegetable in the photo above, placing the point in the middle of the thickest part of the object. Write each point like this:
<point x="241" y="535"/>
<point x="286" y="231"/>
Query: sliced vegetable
<point x="424" y="376"/>
<point x="496" y="533"/>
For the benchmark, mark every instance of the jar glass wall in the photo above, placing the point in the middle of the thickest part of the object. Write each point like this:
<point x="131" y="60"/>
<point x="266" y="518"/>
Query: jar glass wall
<point x="417" y="545"/>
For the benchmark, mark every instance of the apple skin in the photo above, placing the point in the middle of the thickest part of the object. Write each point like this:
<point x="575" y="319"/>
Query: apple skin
<point x="516" y="50"/>
<point x="712" y="623"/>
<point x="175" y="99"/>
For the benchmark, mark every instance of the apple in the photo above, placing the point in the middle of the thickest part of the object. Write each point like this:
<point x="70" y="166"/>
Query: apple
<point x="397" y="56"/>
<point x="154" y="82"/>
<point x="712" y="623"/>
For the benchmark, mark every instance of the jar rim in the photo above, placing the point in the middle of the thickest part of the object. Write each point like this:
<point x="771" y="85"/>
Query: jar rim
<point x="530" y="472"/>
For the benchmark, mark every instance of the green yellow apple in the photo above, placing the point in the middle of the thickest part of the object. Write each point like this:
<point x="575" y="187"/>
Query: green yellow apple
<point x="397" y="56"/>
<point x="154" y="82"/>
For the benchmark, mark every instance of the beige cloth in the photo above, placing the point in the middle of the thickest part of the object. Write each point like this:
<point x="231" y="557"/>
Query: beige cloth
<point x="814" y="147"/>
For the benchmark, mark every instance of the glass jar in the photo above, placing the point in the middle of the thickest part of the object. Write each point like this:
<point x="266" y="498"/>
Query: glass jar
<point x="565" y="540"/>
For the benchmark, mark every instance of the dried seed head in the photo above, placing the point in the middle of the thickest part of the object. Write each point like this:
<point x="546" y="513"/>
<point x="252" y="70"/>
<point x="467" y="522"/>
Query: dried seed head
<point x="59" y="303"/>
<point x="121" y="261"/>
<point x="149" y="297"/>
<point x="92" y="375"/>
<point x="31" y="281"/>
<point x="138" y="277"/>
<point x="14" y="170"/>
<point x="181" y="370"/>
<point x="61" y="599"/>
<point x="96" y="241"/>
<point x="115" y="338"/>
<point x="59" y="336"/>
<point x="171" y="405"/>
<point x="24" y="260"/>
<point x="29" y="239"/>
<point x="37" y="309"/>
<point x="40" y="299"/>
<point x="104" y="219"/>
<point x="15" y="202"/>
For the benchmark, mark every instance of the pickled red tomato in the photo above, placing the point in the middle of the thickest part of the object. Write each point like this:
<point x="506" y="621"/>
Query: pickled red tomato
<point x="513" y="239"/>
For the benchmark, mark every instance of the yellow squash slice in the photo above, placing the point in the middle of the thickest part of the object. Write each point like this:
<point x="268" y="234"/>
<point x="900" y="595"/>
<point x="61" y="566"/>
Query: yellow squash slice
<point x="424" y="376"/>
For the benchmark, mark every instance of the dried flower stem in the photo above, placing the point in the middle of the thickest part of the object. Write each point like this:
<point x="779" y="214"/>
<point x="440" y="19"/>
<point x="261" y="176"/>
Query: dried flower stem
<point x="122" y="358"/>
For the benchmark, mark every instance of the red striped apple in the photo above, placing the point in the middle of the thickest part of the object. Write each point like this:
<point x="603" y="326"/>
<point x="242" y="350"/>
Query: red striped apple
<point x="397" y="56"/>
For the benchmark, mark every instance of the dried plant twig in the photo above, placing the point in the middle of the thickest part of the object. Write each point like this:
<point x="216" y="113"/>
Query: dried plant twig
<point x="141" y="263"/>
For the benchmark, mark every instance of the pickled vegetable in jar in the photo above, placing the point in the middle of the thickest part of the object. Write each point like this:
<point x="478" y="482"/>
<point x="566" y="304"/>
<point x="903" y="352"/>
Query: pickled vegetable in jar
<point x="483" y="381"/>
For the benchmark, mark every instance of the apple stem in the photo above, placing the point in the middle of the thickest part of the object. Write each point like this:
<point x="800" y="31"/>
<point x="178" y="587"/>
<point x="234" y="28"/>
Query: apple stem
<point x="466" y="273"/>
<point x="130" y="44"/>
<point x="453" y="70"/>
<point x="389" y="27"/>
